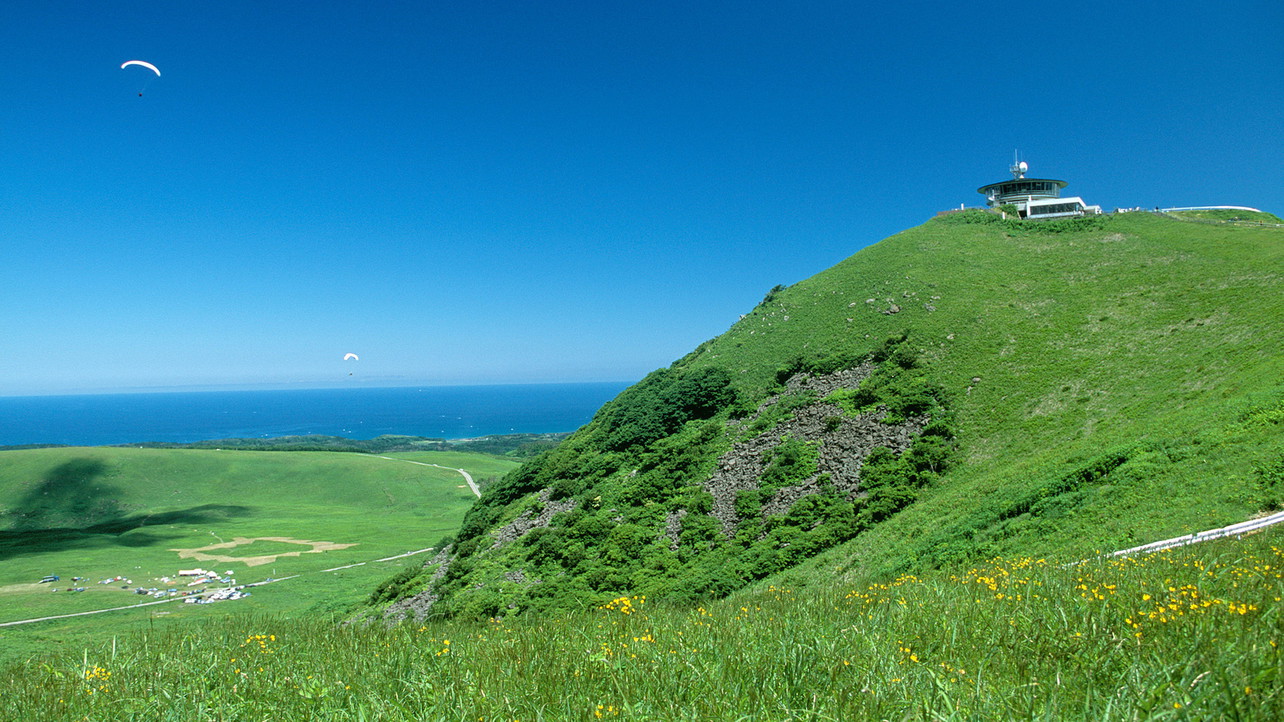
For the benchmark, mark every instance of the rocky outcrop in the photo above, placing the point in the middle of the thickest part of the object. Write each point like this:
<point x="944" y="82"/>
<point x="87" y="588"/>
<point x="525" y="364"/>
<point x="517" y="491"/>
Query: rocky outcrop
<point x="822" y="385"/>
<point x="673" y="527"/>
<point x="417" y="606"/>
<point x="528" y="520"/>
<point x="845" y="441"/>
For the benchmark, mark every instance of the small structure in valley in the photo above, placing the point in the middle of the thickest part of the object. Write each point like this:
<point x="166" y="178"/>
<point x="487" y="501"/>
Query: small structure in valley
<point x="1034" y="197"/>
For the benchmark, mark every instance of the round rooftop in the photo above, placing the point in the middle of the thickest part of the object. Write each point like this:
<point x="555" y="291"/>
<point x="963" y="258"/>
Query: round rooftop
<point x="1003" y="186"/>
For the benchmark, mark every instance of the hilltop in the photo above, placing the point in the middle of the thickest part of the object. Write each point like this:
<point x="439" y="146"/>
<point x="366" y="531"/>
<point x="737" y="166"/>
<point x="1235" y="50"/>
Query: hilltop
<point x="967" y="388"/>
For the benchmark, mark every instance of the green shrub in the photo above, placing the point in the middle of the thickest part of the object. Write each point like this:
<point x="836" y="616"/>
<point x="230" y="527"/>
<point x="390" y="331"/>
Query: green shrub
<point x="1270" y="481"/>
<point x="662" y="402"/>
<point x="397" y="586"/>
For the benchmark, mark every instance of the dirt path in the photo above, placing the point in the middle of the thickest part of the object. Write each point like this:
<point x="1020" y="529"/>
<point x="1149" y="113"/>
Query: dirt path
<point x="467" y="477"/>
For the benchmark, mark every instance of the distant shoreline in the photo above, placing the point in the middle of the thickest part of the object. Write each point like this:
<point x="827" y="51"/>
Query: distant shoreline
<point x="355" y="416"/>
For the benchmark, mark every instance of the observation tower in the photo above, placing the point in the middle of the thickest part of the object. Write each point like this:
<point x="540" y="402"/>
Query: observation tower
<point x="1034" y="197"/>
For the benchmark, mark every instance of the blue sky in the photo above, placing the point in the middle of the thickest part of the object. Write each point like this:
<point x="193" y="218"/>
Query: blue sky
<point x="555" y="191"/>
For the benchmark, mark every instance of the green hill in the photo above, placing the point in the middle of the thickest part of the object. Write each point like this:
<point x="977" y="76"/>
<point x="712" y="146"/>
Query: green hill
<point x="968" y="388"/>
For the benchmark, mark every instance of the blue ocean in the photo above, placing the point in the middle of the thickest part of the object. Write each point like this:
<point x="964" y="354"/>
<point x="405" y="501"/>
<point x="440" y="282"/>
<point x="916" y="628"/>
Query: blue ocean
<point x="450" y="412"/>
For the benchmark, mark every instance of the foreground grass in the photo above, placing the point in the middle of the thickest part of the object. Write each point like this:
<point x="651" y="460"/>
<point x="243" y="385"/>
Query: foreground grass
<point x="1186" y="634"/>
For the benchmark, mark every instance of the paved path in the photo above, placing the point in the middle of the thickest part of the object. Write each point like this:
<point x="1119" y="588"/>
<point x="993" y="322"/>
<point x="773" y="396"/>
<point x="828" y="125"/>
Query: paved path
<point x="467" y="477"/>
<point x="1243" y="527"/>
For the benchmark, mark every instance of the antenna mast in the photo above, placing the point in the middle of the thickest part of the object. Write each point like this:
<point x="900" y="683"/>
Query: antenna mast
<point x="1018" y="168"/>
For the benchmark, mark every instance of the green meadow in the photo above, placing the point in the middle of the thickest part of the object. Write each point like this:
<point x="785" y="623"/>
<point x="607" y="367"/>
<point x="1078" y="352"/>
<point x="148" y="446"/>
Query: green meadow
<point x="99" y="513"/>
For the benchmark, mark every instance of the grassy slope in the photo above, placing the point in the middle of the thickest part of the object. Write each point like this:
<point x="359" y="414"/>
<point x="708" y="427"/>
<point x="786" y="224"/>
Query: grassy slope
<point x="1146" y="329"/>
<point x="1132" y="332"/>
<point x="102" y="512"/>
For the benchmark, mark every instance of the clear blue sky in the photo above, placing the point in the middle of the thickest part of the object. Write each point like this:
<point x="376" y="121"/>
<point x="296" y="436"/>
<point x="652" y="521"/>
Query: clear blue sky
<point x="551" y="191"/>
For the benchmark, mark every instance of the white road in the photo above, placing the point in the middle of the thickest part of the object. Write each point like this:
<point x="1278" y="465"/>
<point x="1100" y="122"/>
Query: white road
<point x="467" y="477"/>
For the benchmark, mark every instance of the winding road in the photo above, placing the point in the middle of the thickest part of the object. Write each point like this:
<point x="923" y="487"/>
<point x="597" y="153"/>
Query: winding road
<point x="467" y="477"/>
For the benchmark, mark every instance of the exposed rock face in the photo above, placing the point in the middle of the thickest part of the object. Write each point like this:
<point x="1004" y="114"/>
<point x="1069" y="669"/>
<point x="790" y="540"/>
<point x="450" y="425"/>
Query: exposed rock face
<point x="673" y="527"/>
<point x="843" y="448"/>
<point x="518" y="527"/>
<point x="823" y="385"/>
<point x="417" y="606"/>
<point x="519" y="576"/>
<point x="738" y="470"/>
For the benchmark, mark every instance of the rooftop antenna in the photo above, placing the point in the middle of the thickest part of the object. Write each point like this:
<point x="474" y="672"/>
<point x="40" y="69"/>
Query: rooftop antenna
<point x="1019" y="167"/>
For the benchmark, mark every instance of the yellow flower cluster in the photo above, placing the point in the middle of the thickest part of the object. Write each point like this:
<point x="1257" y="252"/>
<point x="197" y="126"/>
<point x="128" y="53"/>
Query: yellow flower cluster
<point x="909" y="653"/>
<point x="873" y="594"/>
<point x="1174" y="601"/>
<point x="625" y="605"/>
<point x="606" y="710"/>
<point x="97" y="679"/>
<point x="260" y="641"/>
<point x="1000" y="578"/>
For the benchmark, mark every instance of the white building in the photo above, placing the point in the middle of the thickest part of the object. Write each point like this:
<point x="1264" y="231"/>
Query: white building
<point x="1035" y="197"/>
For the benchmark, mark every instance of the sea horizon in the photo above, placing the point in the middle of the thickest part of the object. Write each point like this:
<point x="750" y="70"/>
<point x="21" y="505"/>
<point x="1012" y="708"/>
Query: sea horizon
<point x="447" y="412"/>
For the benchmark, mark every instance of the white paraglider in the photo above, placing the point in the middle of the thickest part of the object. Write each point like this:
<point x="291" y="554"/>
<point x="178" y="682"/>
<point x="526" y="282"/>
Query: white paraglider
<point x="351" y="357"/>
<point x="143" y="63"/>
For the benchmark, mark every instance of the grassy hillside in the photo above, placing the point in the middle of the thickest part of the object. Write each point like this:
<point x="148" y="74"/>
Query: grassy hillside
<point x="101" y="512"/>
<point x="1049" y="387"/>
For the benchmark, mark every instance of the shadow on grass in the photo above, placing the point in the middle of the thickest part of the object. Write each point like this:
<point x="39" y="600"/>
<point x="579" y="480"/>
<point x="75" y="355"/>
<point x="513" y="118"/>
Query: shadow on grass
<point x="16" y="543"/>
<point x="73" y="508"/>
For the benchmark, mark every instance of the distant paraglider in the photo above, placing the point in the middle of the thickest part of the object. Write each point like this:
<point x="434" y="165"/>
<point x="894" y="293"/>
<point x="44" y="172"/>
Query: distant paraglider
<point x="351" y="357"/>
<point x="143" y="64"/>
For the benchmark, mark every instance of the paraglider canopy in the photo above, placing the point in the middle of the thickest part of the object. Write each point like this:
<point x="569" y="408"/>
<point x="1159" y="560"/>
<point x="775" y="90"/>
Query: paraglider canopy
<point x="143" y="63"/>
<point x="351" y="357"/>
